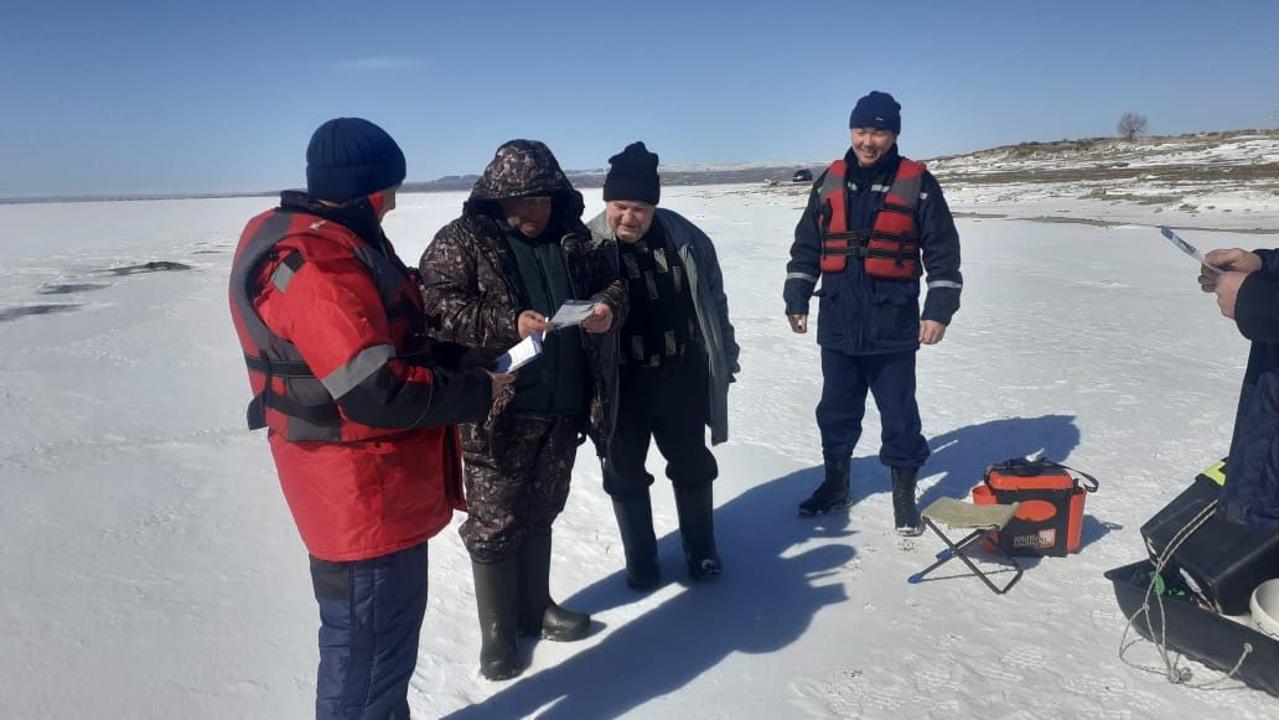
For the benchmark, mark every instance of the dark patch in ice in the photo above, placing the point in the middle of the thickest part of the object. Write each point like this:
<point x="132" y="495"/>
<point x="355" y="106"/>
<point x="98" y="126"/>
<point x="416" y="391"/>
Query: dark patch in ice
<point x="69" y="288"/>
<point x="1075" y="221"/>
<point x="14" y="313"/>
<point x="155" y="266"/>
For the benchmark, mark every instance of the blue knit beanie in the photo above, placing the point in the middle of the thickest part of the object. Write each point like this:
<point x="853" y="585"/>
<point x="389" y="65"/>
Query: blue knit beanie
<point x="349" y="158"/>
<point x="877" y="110"/>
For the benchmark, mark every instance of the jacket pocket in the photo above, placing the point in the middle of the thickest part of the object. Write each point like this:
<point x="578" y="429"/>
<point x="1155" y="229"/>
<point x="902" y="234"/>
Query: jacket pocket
<point x="895" y="316"/>
<point x="833" y="318"/>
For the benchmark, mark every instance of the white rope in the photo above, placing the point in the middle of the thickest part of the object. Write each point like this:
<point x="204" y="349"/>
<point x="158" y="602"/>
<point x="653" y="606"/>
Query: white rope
<point x="1172" y="670"/>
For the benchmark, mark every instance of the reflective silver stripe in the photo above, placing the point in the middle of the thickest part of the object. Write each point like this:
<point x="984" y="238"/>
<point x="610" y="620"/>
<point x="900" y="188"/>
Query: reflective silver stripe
<point x="879" y="188"/>
<point x="944" y="283"/>
<point x="801" y="276"/>
<point x="907" y="189"/>
<point x="830" y="183"/>
<point x="281" y="277"/>
<point x="368" y="361"/>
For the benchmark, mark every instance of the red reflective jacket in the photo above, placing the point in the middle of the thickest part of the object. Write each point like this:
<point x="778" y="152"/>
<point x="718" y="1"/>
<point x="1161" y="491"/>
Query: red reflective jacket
<point x="318" y="311"/>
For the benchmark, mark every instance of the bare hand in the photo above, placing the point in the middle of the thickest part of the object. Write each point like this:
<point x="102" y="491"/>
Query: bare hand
<point x="1229" y="260"/>
<point x="1227" y="289"/>
<point x="1208" y="279"/>
<point x="798" y="323"/>
<point x="601" y="319"/>
<point x="529" y="322"/>
<point x="931" y="332"/>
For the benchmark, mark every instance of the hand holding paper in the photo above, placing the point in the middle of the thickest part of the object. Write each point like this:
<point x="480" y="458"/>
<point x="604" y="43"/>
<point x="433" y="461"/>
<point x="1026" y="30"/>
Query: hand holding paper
<point x="529" y="322"/>
<point x="1227" y="286"/>
<point x="1227" y="260"/>
<point x="525" y="352"/>
<point x="572" y="312"/>
<point x="601" y="319"/>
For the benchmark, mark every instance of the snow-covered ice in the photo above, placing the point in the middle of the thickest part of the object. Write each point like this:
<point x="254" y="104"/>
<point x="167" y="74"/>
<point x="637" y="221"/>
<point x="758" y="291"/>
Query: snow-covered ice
<point x="153" y="571"/>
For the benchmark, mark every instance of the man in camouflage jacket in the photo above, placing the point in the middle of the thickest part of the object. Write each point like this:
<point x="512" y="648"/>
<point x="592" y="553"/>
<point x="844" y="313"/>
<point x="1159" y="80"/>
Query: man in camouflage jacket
<point x="490" y="279"/>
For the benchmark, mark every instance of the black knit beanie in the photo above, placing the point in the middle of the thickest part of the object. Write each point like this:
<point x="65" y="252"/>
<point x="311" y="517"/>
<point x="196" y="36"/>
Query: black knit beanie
<point x="632" y="175"/>
<point x="877" y="110"/>
<point x="349" y="158"/>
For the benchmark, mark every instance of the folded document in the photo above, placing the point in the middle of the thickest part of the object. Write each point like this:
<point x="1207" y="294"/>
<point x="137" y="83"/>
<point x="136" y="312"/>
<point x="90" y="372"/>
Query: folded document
<point x="571" y="313"/>
<point x="525" y="352"/>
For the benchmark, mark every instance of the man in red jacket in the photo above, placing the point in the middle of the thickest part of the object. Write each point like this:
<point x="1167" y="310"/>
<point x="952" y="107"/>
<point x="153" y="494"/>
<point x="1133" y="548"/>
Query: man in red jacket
<point x="358" y="410"/>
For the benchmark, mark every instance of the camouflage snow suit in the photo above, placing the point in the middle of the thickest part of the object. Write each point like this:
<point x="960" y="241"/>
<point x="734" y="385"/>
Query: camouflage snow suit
<point x="517" y="466"/>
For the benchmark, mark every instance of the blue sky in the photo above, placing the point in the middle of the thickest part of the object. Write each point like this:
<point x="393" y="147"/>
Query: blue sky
<point x="131" y="96"/>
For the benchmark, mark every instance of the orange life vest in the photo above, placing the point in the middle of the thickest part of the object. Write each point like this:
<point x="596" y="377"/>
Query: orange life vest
<point x="355" y="491"/>
<point x="890" y="249"/>
<point x="288" y="397"/>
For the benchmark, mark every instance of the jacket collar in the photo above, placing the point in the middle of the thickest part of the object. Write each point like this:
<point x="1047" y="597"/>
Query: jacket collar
<point x="358" y="216"/>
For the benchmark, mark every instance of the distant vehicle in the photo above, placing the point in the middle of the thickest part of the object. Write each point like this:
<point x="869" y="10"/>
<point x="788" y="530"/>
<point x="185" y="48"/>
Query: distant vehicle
<point x="802" y="175"/>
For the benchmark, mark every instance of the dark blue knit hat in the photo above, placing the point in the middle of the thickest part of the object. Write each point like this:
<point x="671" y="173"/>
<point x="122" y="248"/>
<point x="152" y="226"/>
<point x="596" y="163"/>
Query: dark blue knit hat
<point x="349" y="158"/>
<point x="877" y="110"/>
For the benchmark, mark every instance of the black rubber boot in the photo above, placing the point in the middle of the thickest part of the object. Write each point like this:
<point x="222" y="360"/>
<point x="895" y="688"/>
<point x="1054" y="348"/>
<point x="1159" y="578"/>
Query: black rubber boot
<point x="639" y="542"/>
<point x="832" y="494"/>
<point x="905" y="514"/>
<point x="496" y="596"/>
<point x="696" y="510"/>
<point x="539" y="615"/>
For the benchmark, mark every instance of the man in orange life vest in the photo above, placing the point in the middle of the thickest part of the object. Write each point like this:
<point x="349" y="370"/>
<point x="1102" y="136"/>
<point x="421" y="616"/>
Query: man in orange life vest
<point x="332" y="327"/>
<point x="870" y="218"/>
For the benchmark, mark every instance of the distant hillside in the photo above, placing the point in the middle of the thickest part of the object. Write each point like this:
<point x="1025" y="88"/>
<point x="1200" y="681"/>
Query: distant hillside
<point x="1223" y="180"/>
<point x="1241" y="155"/>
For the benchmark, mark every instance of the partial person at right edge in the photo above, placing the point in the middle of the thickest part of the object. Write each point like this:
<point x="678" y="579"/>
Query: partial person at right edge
<point x="678" y="356"/>
<point x="1247" y="289"/>
<point x="869" y="217"/>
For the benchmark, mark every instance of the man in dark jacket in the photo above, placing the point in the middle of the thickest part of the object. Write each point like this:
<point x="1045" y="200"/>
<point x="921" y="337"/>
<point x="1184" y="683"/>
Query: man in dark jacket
<point x="490" y="279"/>
<point x="869" y="218"/>
<point x="1247" y="290"/>
<point x="678" y="356"/>
<point x="332" y="329"/>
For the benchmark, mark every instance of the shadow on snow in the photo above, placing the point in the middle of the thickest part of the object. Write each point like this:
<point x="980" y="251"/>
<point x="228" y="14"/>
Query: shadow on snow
<point x="768" y="595"/>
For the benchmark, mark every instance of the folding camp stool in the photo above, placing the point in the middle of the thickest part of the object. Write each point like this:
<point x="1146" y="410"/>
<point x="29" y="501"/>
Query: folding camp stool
<point x="982" y="520"/>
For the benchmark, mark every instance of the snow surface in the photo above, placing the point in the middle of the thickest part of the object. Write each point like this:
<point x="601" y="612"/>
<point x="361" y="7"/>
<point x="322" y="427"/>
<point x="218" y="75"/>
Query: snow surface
<point x="153" y="571"/>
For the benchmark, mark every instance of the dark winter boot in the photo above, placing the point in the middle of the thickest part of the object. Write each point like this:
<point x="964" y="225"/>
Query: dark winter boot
<point x="696" y="510"/>
<point x="539" y="615"/>
<point x="905" y="514"/>
<point x="639" y="543"/>
<point x="832" y="494"/>
<point x="497" y="597"/>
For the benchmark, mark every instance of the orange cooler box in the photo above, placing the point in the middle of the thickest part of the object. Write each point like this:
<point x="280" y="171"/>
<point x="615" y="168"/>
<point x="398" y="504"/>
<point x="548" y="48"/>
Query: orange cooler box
<point x="1050" y="519"/>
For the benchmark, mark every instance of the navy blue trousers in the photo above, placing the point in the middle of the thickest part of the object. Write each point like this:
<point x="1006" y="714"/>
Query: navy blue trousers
<point x="370" y="616"/>
<point x="891" y="379"/>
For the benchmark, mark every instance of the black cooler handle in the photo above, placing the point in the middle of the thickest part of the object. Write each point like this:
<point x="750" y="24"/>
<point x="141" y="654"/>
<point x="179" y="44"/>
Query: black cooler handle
<point x="1021" y="467"/>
